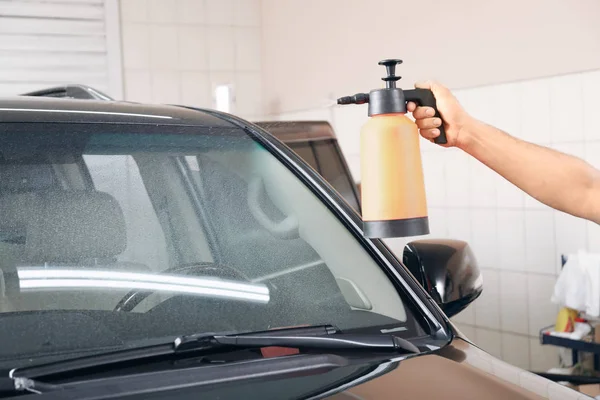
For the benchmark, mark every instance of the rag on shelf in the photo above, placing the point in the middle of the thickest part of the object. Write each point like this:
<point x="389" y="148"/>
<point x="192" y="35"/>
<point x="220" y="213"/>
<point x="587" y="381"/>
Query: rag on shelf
<point x="578" y="285"/>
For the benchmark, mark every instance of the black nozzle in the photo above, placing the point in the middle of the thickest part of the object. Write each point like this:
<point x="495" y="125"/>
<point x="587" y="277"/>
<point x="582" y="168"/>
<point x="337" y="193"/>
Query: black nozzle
<point x="390" y="66"/>
<point x="382" y="101"/>
<point x="358" y="98"/>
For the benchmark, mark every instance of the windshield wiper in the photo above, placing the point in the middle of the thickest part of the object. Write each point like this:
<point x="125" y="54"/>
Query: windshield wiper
<point x="338" y="341"/>
<point x="325" y="337"/>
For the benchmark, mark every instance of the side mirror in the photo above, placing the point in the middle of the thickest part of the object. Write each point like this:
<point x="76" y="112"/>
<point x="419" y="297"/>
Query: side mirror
<point x="448" y="271"/>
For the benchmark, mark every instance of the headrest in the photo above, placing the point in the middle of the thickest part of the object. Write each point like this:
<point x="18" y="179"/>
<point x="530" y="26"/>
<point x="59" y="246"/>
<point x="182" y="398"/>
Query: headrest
<point x="64" y="226"/>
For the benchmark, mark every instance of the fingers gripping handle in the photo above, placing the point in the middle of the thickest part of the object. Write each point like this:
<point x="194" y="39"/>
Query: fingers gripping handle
<point x="425" y="98"/>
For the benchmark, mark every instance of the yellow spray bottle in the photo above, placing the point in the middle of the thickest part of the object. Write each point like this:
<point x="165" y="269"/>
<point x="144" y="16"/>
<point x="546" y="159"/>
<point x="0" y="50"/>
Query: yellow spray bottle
<point x="392" y="184"/>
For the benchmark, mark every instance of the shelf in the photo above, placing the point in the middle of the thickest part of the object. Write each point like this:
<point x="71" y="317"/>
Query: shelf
<point x="574" y="344"/>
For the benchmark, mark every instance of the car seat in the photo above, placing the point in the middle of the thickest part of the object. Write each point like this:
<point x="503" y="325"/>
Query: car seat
<point x="61" y="228"/>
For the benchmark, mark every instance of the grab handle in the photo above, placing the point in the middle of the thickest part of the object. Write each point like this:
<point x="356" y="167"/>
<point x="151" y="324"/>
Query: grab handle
<point x="288" y="228"/>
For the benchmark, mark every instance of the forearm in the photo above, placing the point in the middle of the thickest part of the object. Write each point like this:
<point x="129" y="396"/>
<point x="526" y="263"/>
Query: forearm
<point x="558" y="180"/>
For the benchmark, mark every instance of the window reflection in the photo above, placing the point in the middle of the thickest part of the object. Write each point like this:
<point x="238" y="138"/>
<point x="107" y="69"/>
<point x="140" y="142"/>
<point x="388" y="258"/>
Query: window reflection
<point x="39" y="279"/>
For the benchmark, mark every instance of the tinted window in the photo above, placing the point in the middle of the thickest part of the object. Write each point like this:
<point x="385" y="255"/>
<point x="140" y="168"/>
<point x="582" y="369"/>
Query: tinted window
<point x="332" y="169"/>
<point x="324" y="157"/>
<point x="306" y="151"/>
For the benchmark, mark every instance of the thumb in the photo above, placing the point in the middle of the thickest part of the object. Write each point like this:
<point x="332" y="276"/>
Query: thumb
<point x="424" y="85"/>
<point x="436" y="88"/>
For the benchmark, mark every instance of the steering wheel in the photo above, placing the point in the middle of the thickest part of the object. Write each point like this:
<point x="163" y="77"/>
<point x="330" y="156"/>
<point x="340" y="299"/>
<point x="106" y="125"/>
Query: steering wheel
<point x="135" y="297"/>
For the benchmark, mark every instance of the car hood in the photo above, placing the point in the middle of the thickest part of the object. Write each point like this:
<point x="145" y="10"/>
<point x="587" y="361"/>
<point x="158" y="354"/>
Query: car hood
<point x="458" y="371"/>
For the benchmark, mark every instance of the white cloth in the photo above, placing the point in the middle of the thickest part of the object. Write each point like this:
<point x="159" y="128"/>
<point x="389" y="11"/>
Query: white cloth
<point x="578" y="285"/>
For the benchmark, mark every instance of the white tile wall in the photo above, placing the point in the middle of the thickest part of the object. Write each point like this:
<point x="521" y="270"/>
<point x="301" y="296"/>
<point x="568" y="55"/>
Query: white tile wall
<point x="515" y="350"/>
<point x="535" y="111"/>
<point x="193" y="48"/>
<point x="457" y="179"/>
<point x="508" y="194"/>
<point x="487" y="307"/>
<point x="571" y="235"/>
<point x="247" y="48"/>
<point x="246" y="12"/>
<point x="134" y="10"/>
<point x="138" y="85"/>
<point x="540" y="255"/>
<point x="483" y="185"/>
<point x="511" y="236"/>
<point x="541" y="358"/>
<point x="178" y="51"/>
<point x="248" y="93"/>
<point x="591" y="105"/>
<point x="541" y="311"/>
<point x="438" y="223"/>
<point x="435" y="178"/>
<point x="459" y="224"/>
<point x="192" y="12"/>
<point x="514" y="316"/>
<point x="136" y="46"/>
<point x="489" y="340"/>
<point x="221" y="48"/>
<point x="484" y="222"/>
<point x="220" y="12"/>
<point x="566" y="109"/>
<point x="164" y="52"/>
<point x="162" y="11"/>
<point x="506" y="109"/>
<point x="165" y="87"/>
<point x="195" y="87"/>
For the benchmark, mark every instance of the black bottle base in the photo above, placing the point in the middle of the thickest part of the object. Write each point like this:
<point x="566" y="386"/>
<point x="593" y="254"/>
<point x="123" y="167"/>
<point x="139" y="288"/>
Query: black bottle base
<point x="396" y="228"/>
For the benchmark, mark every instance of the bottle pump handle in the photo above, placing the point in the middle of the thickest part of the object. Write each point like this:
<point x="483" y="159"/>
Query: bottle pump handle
<point x="425" y="98"/>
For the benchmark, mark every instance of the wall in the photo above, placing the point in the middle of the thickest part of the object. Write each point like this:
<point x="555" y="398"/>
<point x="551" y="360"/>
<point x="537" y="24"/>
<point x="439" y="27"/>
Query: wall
<point x="517" y="240"/>
<point x="178" y="51"/>
<point x="314" y="50"/>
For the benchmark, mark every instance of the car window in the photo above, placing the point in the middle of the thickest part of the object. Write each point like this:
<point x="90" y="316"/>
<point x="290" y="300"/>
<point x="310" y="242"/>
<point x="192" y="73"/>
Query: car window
<point x="323" y="156"/>
<point x="333" y="170"/>
<point x="305" y="151"/>
<point x="157" y="235"/>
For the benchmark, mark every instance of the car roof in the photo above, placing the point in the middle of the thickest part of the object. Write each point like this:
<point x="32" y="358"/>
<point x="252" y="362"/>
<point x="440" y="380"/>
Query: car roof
<point x="298" y="131"/>
<point x="52" y="110"/>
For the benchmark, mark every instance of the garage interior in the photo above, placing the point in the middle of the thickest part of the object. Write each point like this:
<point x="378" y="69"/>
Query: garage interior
<point x="530" y="68"/>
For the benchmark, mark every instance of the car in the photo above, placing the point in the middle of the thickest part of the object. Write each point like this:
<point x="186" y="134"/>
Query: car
<point x="168" y="251"/>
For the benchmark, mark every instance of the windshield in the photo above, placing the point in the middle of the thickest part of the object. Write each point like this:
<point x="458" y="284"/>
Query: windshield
<point x="122" y="239"/>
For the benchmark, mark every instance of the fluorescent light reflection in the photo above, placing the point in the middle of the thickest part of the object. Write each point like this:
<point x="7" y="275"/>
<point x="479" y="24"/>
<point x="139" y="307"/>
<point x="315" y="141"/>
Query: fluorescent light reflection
<point x="31" y="279"/>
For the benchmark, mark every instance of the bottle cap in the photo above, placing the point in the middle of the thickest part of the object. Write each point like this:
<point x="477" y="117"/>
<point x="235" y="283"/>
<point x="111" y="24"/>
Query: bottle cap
<point x="390" y="99"/>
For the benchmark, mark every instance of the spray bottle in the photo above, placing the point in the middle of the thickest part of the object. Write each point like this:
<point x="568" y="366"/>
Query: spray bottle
<point x="392" y="184"/>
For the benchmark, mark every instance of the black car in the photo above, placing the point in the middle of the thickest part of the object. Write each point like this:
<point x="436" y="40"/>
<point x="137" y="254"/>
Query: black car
<point x="153" y="251"/>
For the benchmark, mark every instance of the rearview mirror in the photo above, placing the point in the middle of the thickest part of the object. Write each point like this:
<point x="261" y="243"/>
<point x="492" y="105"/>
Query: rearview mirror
<point x="448" y="271"/>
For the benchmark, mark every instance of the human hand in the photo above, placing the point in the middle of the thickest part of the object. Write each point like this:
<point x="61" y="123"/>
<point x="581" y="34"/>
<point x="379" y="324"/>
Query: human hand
<point x="455" y="118"/>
